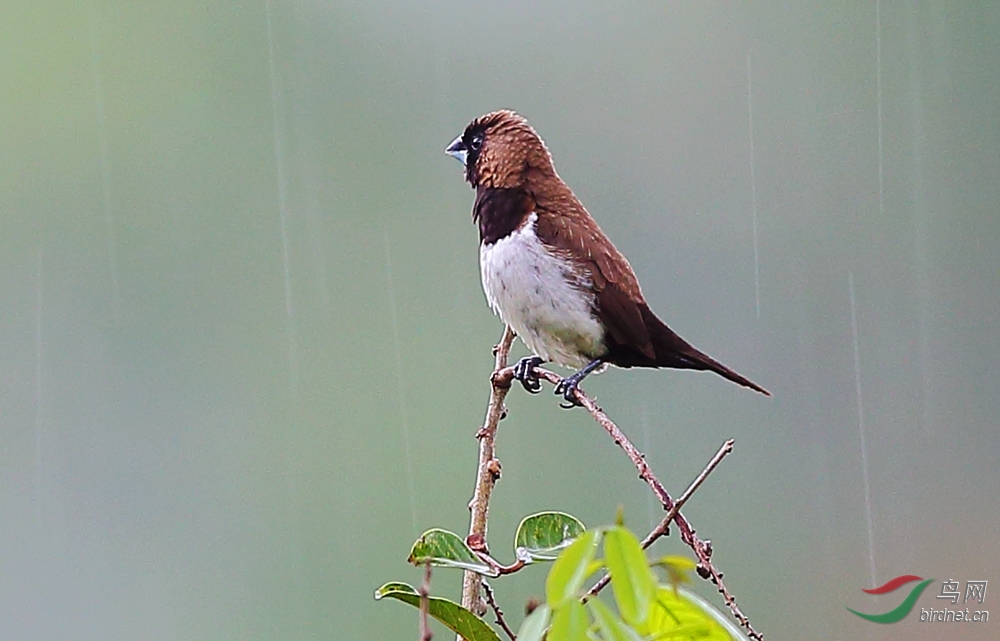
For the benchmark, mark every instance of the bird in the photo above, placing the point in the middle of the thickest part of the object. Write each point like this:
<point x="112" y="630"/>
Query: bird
<point x="549" y="271"/>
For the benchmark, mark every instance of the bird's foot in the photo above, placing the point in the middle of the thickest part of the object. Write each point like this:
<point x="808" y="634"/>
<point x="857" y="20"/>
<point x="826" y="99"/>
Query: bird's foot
<point x="567" y="389"/>
<point x="524" y="371"/>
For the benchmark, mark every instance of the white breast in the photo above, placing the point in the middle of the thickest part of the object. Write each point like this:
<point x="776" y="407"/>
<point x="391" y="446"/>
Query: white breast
<point x="534" y="290"/>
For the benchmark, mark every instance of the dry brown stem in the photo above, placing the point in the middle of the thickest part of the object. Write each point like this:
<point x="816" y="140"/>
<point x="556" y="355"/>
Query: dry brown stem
<point x="497" y="611"/>
<point x="425" y="604"/>
<point x="487" y="472"/>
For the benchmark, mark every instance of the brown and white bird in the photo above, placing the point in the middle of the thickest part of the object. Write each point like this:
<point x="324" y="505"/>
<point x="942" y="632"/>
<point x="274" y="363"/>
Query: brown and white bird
<point x="550" y="272"/>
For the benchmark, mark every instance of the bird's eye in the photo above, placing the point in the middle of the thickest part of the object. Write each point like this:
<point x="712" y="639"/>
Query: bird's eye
<point x="476" y="142"/>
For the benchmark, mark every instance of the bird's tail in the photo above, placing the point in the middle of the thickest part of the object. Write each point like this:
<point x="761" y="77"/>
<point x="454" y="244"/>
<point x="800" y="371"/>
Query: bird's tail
<point x="674" y="351"/>
<point x="702" y="361"/>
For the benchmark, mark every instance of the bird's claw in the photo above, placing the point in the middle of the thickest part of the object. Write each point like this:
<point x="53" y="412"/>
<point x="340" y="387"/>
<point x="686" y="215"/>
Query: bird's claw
<point x="567" y="389"/>
<point x="524" y="371"/>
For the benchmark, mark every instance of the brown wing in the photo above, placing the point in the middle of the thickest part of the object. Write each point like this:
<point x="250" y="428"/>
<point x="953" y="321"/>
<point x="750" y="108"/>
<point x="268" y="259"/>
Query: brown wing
<point x="565" y="225"/>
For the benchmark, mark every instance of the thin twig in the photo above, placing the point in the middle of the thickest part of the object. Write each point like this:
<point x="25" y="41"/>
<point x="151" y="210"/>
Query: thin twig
<point x="425" y="604"/>
<point x="664" y="527"/>
<point x="497" y="611"/>
<point x="702" y="549"/>
<point x="487" y="472"/>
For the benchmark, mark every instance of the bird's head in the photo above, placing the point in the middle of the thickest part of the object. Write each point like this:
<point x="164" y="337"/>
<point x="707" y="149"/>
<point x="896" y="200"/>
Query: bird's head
<point x="501" y="150"/>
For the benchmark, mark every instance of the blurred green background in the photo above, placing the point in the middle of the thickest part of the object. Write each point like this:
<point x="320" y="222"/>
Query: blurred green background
<point x="244" y="350"/>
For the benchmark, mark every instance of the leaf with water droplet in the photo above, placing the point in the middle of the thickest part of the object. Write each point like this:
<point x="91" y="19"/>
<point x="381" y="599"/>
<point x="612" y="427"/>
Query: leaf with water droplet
<point x="447" y="549"/>
<point x="542" y="536"/>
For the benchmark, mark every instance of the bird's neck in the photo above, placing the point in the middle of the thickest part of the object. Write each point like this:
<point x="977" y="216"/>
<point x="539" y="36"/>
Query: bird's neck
<point x="499" y="211"/>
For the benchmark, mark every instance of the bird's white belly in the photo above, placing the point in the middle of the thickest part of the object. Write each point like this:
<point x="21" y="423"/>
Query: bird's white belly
<point x="535" y="291"/>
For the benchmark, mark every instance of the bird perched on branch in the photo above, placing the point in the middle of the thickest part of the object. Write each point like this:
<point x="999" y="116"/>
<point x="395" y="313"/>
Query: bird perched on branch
<point x="550" y="272"/>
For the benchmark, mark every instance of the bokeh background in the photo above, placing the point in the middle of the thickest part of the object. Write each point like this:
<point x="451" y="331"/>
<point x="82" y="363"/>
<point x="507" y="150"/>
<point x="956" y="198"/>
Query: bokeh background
<point x="244" y="350"/>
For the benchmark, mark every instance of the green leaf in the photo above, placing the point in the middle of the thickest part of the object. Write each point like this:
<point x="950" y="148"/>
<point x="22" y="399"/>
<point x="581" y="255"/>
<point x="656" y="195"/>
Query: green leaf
<point x="677" y="568"/>
<point x="458" y="619"/>
<point x="540" y="537"/>
<point x="631" y="579"/>
<point x="683" y="614"/>
<point x="680" y="563"/>
<point x="447" y="549"/>
<point x="594" y="566"/>
<point x="534" y="625"/>
<point x="569" y="623"/>
<point x="611" y="626"/>
<point x="571" y="569"/>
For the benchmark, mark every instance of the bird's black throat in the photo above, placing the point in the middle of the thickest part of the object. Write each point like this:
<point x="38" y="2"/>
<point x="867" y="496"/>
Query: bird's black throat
<point x="499" y="211"/>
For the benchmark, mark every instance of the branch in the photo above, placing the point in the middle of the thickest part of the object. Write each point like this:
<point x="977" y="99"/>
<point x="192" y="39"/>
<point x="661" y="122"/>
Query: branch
<point x="702" y="549"/>
<point x="425" y="603"/>
<point x="487" y="472"/>
<point x="497" y="611"/>
<point x="664" y="527"/>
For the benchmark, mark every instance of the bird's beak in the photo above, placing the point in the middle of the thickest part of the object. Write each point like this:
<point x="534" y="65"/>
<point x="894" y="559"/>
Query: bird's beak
<point x="458" y="150"/>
